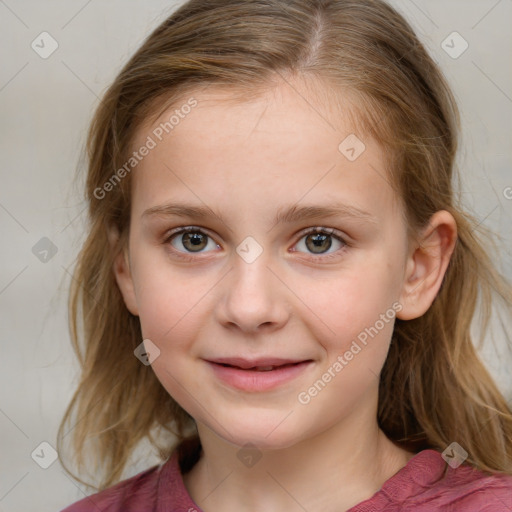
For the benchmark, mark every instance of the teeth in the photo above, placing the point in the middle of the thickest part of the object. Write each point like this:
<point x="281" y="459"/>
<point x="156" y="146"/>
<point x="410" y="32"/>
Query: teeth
<point x="264" y="368"/>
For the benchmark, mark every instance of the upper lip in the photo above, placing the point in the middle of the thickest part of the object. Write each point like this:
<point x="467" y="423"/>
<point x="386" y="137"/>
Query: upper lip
<point x="243" y="363"/>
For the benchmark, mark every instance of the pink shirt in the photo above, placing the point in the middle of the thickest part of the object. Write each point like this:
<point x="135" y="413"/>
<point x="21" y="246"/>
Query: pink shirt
<point x="420" y="486"/>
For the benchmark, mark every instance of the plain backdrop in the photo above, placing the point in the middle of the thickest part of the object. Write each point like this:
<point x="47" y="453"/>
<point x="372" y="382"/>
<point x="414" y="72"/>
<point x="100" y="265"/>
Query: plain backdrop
<point x="45" y="107"/>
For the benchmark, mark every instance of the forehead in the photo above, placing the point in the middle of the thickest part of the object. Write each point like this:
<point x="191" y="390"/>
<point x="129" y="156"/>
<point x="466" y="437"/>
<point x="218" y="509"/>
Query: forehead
<point x="289" y="141"/>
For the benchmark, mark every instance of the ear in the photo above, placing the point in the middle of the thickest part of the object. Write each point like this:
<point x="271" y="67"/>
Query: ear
<point x="122" y="272"/>
<point x="426" y="265"/>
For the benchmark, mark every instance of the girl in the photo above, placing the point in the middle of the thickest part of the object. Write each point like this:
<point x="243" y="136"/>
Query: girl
<point x="278" y="284"/>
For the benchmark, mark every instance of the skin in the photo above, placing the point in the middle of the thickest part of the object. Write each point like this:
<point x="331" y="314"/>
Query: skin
<point x="246" y="161"/>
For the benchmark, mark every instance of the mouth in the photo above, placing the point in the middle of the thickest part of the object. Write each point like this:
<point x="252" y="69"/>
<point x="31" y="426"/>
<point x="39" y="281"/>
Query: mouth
<point x="258" y="374"/>
<point x="261" y="368"/>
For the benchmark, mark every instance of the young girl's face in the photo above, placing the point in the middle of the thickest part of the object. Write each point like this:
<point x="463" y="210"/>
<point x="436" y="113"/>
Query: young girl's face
<point x="248" y="286"/>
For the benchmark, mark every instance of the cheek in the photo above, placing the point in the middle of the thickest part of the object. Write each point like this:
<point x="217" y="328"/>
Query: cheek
<point x="354" y="301"/>
<point x="170" y="301"/>
<point x="171" y="311"/>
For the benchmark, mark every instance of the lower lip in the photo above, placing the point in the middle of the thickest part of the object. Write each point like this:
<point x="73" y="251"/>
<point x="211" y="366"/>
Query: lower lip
<point x="251" y="380"/>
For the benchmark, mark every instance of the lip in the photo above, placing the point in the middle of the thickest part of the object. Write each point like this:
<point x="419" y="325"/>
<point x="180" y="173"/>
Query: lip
<point x="245" y="364"/>
<point x="242" y="374"/>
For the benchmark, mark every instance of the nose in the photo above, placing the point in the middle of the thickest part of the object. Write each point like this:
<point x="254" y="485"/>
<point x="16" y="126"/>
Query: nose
<point x="252" y="298"/>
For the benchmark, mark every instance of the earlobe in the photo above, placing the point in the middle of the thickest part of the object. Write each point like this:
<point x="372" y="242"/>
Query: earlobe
<point x="122" y="273"/>
<point x="427" y="264"/>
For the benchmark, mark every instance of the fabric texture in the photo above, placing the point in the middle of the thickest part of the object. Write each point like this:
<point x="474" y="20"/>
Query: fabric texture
<point x="425" y="484"/>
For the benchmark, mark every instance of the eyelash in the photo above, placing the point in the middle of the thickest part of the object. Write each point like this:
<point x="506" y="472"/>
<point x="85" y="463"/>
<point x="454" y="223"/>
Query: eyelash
<point x="316" y="230"/>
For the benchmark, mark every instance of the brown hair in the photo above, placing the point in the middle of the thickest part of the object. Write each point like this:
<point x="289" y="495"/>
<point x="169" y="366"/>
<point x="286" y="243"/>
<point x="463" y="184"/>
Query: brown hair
<point x="433" y="389"/>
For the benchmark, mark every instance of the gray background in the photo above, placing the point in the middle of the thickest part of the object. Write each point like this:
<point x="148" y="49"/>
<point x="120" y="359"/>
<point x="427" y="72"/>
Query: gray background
<point x="45" y="107"/>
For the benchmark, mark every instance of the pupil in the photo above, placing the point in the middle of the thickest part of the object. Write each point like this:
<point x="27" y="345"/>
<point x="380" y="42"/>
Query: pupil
<point x="196" y="239"/>
<point x="319" y="242"/>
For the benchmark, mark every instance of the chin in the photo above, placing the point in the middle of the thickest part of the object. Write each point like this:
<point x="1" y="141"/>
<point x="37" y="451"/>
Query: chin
<point x="272" y="434"/>
<point x="261" y="441"/>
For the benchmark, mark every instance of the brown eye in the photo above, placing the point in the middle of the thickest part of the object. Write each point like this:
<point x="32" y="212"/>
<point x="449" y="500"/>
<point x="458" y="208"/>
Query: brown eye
<point x="191" y="240"/>
<point x="194" y="241"/>
<point x="318" y="243"/>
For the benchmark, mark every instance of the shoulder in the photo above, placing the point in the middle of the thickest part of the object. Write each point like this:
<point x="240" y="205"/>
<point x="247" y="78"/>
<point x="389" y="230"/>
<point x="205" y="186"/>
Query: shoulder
<point x="427" y="483"/>
<point x="461" y="488"/>
<point x="139" y="492"/>
<point x="156" y="489"/>
<point x="466" y="488"/>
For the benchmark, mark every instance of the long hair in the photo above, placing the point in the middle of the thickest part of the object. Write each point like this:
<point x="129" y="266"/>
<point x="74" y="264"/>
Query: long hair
<point x="433" y="387"/>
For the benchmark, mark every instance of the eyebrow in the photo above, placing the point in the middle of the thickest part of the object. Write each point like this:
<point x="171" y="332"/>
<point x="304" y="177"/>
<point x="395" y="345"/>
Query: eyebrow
<point x="289" y="214"/>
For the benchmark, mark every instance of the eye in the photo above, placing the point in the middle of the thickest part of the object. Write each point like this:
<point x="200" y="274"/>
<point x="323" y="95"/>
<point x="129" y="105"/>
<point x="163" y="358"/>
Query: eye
<point x="319" y="241"/>
<point x="190" y="240"/>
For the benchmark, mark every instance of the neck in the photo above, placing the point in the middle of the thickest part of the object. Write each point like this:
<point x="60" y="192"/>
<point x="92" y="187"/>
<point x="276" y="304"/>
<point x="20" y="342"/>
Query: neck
<point x="331" y="471"/>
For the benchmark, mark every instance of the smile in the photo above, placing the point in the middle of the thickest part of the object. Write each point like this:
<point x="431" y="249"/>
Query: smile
<point x="257" y="375"/>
